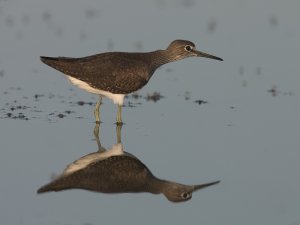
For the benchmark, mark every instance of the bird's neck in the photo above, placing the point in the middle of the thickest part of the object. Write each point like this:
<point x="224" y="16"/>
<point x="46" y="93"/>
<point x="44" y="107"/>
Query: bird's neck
<point x="156" y="186"/>
<point x="161" y="57"/>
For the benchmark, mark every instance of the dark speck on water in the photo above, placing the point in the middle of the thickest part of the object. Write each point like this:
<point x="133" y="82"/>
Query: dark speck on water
<point x="155" y="96"/>
<point x="80" y="103"/>
<point x="69" y="111"/>
<point x="84" y="103"/>
<point x="273" y="91"/>
<point x="60" y="115"/>
<point x="37" y="96"/>
<point x="200" y="102"/>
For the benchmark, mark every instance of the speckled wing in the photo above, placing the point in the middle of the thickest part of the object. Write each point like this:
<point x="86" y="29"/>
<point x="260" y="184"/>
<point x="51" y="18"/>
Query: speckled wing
<point x="117" y="174"/>
<point x="116" y="72"/>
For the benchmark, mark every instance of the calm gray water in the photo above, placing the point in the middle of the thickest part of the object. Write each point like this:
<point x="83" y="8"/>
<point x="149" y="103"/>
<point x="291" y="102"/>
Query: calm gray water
<point x="246" y="135"/>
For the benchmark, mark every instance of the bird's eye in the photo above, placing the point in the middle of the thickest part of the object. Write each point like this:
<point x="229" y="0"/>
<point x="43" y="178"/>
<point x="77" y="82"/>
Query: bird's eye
<point x="188" y="48"/>
<point x="185" y="195"/>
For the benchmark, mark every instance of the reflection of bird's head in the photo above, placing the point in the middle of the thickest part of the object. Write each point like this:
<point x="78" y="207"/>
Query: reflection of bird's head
<point x="175" y="192"/>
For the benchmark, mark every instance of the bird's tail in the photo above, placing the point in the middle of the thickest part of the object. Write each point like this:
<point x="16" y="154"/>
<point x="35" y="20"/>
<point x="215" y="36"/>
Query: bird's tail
<point x="56" y="185"/>
<point x="46" y="59"/>
<point x="51" y="61"/>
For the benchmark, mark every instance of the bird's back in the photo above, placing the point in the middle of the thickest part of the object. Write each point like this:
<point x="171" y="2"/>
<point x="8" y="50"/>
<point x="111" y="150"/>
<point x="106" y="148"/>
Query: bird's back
<point x="116" y="72"/>
<point x="117" y="174"/>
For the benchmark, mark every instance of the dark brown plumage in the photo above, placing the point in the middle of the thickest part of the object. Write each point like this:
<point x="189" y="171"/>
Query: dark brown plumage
<point x="120" y="174"/>
<point x="120" y="73"/>
<point x="107" y="71"/>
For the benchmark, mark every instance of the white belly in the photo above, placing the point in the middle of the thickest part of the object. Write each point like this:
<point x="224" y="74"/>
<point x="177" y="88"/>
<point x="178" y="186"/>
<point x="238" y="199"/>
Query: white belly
<point x="116" y="98"/>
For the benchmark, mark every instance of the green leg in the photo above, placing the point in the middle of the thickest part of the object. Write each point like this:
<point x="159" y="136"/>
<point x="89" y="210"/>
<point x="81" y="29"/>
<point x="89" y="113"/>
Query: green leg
<point x="96" y="134"/>
<point x="119" y="116"/>
<point x="97" y="110"/>
<point x="118" y="129"/>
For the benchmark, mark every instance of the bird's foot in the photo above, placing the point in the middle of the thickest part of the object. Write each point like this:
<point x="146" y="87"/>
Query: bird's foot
<point x="119" y="123"/>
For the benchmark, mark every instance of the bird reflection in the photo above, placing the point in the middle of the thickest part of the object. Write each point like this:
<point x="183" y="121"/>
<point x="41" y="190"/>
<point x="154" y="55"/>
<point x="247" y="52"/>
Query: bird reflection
<point x="117" y="171"/>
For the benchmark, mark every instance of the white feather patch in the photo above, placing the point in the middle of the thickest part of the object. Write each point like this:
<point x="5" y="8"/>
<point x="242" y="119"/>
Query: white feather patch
<point x="116" y="98"/>
<point x="86" y="160"/>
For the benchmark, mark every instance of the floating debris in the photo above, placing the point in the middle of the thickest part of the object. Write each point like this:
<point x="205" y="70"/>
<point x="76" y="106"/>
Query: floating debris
<point x="37" y="96"/>
<point x="19" y="116"/>
<point x="273" y="91"/>
<point x="60" y="115"/>
<point x="84" y="103"/>
<point x="200" y="102"/>
<point x="155" y="96"/>
<point x="69" y="112"/>
<point x="19" y="107"/>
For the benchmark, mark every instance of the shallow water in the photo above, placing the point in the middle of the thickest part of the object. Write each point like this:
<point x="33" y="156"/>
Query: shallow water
<point x="237" y="120"/>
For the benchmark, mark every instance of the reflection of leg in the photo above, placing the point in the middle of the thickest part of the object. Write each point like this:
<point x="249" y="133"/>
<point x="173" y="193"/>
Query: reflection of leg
<point x="118" y="129"/>
<point x="119" y="115"/>
<point x="96" y="135"/>
<point x="97" y="110"/>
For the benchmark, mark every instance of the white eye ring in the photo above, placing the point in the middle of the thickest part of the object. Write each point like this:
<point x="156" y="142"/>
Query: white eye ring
<point x="185" y="195"/>
<point x="188" y="48"/>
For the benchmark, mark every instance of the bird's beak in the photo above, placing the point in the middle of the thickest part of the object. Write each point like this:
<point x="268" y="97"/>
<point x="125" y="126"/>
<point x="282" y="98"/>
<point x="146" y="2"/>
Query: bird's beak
<point x="201" y="186"/>
<point x="205" y="55"/>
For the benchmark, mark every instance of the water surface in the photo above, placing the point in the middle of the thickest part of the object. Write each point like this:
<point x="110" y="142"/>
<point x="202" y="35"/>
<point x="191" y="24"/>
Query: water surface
<point x="245" y="132"/>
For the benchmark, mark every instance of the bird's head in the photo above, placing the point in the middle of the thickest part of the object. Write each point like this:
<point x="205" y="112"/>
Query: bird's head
<point x="180" y="49"/>
<point x="175" y="192"/>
